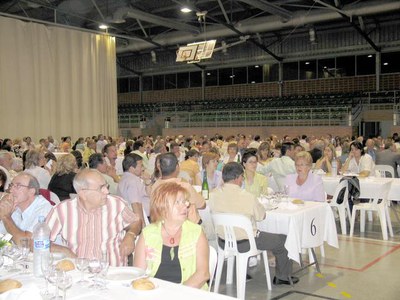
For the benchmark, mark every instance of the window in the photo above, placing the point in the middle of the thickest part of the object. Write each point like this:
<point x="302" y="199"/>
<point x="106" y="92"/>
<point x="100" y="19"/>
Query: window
<point x="195" y="79"/>
<point x="170" y="81"/>
<point x="158" y="82"/>
<point x="271" y="72"/>
<point x="308" y="69"/>
<point x="254" y="74"/>
<point x="345" y="66"/>
<point x="239" y="75"/>
<point x="291" y="71"/>
<point x="225" y="76"/>
<point x="326" y="68"/>
<point x="389" y="62"/>
<point x="147" y="83"/>
<point x="134" y="84"/>
<point x="211" y="77"/>
<point x="366" y="64"/>
<point x="183" y="80"/>
<point x="123" y="85"/>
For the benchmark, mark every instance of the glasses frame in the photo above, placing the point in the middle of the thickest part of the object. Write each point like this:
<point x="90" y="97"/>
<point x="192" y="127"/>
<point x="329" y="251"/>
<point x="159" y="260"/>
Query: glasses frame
<point x="18" y="186"/>
<point x="99" y="189"/>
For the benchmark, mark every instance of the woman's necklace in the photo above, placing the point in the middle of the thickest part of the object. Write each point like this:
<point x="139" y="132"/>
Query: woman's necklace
<point x="172" y="240"/>
<point x="171" y="236"/>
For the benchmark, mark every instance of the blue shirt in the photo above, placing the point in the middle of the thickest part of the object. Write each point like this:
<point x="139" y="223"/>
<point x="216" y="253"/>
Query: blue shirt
<point x="27" y="219"/>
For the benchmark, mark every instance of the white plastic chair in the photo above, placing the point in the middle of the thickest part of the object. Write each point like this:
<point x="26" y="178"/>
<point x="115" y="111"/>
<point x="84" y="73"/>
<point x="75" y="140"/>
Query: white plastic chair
<point x="230" y="222"/>
<point x="384" y="170"/>
<point x="212" y="265"/>
<point x="342" y="208"/>
<point x="380" y="207"/>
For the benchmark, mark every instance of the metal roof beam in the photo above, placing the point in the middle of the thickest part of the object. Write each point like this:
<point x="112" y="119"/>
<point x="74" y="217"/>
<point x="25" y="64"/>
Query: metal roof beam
<point x="270" y="8"/>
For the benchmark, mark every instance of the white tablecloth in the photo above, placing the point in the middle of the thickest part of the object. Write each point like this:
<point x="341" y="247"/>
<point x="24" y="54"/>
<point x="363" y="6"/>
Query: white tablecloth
<point x="306" y="226"/>
<point x="369" y="186"/>
<point x="115" y="290"/>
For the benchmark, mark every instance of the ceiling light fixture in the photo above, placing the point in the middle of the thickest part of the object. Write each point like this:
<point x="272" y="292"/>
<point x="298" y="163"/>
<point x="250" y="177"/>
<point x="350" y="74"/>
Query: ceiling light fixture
<point x="386" y="63"/>
<point x="185" y="9"/>
<point x="256" y="66"/>
<point x="103" y="26"/>
<point x="370" y="55"/>
<point x="307" y="62"/>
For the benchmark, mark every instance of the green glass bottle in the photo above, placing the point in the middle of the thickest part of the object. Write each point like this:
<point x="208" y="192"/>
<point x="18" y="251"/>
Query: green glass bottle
<point x="204" y="187"/>
<point x="238" y="159"/>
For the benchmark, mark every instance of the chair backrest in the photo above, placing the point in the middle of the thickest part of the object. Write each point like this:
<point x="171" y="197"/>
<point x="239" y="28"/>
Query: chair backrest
<point x="207" y="222"/>
<point x="146" y="219"/>
<point x="341" y="186"/>
<point x="382" y="194"/>
<point x="230" y="222"/>
<point x="385" y="170"/>
<point x="212" y="265"/>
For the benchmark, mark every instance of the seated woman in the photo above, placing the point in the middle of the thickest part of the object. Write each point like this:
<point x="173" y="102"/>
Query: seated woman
<point x="232" y="154"/>
<point x="304" y="184"/>
<point x="191" y="167"/>
<point x="325" y="162"/>
<point x="34" y="165"/>
<point x="358" y="161"/>
<point x="171" y="247"/>
<point x="61" y="182"/>
<point x="210" y="163"/>
<point x="254" y="182"/>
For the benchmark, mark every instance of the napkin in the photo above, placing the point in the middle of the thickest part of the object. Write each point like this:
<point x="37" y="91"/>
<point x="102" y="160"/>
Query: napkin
<point x="288" y="205"/>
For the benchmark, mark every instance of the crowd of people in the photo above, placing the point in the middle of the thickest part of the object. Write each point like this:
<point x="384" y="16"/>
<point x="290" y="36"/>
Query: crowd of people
<point x="114" y="191"/>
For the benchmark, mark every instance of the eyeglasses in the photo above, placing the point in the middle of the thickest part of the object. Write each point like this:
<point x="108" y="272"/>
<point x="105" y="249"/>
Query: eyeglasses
<point x="18" y="186"/>
<point x="100" y="188"/>
<point x="182" y="202"/>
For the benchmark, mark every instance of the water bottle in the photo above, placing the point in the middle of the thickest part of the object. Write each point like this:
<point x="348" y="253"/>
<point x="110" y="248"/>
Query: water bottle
<point x="334" y="167"/>
<point x="41" y="245"/>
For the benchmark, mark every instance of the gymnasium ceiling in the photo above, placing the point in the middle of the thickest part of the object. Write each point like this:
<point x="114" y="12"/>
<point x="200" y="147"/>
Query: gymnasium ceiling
<point x="145" y="25"/>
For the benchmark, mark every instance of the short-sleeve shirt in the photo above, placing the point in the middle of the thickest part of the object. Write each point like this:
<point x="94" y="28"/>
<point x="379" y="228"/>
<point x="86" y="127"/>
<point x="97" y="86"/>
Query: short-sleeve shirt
<point x="27" y="219"/>
<point x="366" y="163"/>
<point x="132" y="189"/>
<point x="91" y="233"/>
<point x="231" y="198"/>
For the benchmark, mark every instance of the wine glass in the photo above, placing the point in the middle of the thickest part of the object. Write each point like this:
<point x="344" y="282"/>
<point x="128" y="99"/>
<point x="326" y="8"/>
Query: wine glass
<point x="286" y="190"/>
<point x="82" y="264"/>
<point x="54" y="278"/>
<point x="64" y="282"/>
<point x="104" y="268"/>
<point x="1" y="259"/>
<point x="95" y="268"/>
<point x="47" y="267"/>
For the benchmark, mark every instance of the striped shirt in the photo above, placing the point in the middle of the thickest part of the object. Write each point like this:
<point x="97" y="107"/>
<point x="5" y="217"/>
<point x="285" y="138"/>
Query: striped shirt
<point x="91" y="233"/>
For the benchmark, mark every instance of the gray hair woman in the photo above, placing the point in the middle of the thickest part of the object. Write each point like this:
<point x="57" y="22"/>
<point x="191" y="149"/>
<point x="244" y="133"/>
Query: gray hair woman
<point x="304" y="184"/>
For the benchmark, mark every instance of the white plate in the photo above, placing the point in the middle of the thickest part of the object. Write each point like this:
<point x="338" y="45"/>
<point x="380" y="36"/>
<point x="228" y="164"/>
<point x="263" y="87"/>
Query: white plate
<point x="124" y="273"/>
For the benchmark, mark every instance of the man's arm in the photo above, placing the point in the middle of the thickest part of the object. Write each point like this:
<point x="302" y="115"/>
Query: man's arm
<point x="128" y="243"/>
<point x="6" y="209"/>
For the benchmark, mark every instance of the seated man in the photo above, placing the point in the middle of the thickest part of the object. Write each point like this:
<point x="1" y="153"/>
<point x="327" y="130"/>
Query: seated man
<point x="20" y="210"/>
<point x="231" y="198"/>
<point x="6" y="164"/>
<point x="169" y="169"/>
<point x="94" y="222"/>
<point x="133" y="188"/>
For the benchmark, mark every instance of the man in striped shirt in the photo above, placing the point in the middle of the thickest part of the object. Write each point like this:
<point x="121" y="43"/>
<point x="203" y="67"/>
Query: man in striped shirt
<point x="94" y="223"/>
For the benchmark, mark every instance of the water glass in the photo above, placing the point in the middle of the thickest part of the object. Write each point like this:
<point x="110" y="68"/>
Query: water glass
<point x="25" y="249"/>
<point x="95" y="267"/>
<point x="13" y="252"/>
